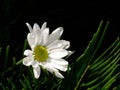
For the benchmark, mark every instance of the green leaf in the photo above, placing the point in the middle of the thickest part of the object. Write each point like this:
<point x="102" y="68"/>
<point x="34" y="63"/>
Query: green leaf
<point x="13" y="85"/>
<point x="92" y="70"/>
<point x="2" y="87"/>
<point x="27" y="82"/>
<point x="6" y="56"/>
<point x="109" y="83"/>
<point x="90" y="53"/>
<point x="24" y="85"/>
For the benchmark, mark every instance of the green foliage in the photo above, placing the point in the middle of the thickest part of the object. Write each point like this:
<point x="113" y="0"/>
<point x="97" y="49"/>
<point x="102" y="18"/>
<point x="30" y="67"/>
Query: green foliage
<point x="93" y="70"/>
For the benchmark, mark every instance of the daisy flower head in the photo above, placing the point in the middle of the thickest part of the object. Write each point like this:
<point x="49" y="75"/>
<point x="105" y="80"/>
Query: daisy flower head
<point x="47" y="50"/>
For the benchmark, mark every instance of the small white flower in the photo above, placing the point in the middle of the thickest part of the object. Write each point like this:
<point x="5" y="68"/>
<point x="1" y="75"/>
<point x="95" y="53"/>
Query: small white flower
<point x="47" y="51"/>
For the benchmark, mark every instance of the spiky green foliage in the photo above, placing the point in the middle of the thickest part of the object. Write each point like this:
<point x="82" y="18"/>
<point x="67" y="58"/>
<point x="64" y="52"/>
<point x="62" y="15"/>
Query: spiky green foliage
<point x="93" y="70"/>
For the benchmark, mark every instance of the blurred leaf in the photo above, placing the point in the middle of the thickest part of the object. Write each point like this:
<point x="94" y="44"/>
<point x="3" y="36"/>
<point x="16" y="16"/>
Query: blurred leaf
<point x="12" y="84"/>
<point x="27" y="82"/>
<point x="6" y="56"/>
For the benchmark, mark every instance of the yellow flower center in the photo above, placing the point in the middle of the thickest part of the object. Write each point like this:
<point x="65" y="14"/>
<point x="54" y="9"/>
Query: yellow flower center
<point x="41" y="53"/>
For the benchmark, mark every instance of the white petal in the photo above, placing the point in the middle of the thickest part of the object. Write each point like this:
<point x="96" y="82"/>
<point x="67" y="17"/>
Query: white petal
<point x="36" y="27"/>
<point x="57" y="54"/>
<point x="53" y="70"/>
<point x="59" y="44"/>
<point x="28" y="52"/>
<point x="65" y="44"/>
<point x="38" y="38"/>
<point x="59" y="75"/>
<point x="54" y="45"/>
<point x="70" y="53"/>
<point x="60" y="67"/>
<point x="44" y="26"/>
<point x="59" y="61"/>
<point x="48" y="67"/>
<point x="36" y="71"/>
<point x="29" y="27"/>
<point x="55" y="35"/>
<point x="44" y="36"/>
<point x="34" y="38"/>
<point x="31" y="40"/>
<point x="27" y="61"/>
<point x="35" y="64"/>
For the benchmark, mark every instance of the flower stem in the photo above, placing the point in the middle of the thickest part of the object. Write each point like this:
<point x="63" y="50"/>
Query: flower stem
<point x="19" y="62"/>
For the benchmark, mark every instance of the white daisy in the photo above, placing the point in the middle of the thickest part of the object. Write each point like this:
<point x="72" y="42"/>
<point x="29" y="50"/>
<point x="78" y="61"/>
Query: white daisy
<point x="47" y="51"/>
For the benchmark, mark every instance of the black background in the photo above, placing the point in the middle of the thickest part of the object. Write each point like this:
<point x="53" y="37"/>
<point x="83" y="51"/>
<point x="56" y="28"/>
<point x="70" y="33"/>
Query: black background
<point x="80" y="20"/>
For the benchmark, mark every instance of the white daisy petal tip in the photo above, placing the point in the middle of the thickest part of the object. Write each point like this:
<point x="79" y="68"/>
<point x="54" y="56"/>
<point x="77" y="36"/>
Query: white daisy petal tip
<point x="29" y="27"/>
<point x="36" y="27"/>
<point x="44" y="26"/>
<point x="28" y="52"/>
<point x="27" y="23"/>
<point x="36" y="71"/>
<point x="58" y="74"/>
<point x="60" y="29"/>
<point x="70" y="53"/>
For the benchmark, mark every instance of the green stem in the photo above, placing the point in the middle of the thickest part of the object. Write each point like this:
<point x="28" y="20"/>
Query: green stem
<point x="76" y="88"/>
<point x="19" y="62"/>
